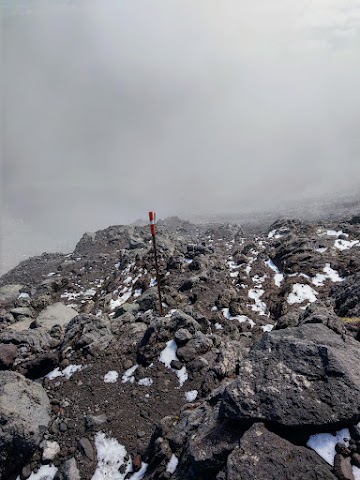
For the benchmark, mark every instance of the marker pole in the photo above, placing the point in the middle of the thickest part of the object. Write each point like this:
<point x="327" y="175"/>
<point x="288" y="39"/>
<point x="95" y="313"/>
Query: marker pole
<point x="153" y="234"/>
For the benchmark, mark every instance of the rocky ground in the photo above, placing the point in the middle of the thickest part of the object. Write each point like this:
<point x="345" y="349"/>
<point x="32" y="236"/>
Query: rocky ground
<point x="252" y="373"/>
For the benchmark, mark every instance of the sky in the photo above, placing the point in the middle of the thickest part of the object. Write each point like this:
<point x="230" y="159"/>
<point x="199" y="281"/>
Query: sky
<point x="112" y="108"/>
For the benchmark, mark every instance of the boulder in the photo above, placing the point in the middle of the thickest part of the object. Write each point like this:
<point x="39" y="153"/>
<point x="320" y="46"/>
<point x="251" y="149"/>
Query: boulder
<point x="38" y="339"/>
<point x="264" y="456"/>
<point x="56" y="314"/>
<point x="306" y="376"/>
<point x="24" y="417"/>
<point x="148" y="300"/>
<point x="86" y="332"/>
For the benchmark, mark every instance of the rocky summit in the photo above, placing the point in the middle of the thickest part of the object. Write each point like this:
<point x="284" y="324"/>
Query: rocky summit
<point x="252" y="372"/>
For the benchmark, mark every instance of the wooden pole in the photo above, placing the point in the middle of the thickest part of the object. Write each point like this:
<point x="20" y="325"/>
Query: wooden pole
<point x="153" y="234"/>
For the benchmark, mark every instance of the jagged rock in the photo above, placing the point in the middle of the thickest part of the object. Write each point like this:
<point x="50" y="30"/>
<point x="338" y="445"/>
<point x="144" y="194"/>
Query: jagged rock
<point x="86" y="332"/>
<point x="347" y="297"/>
<point x="38" y="339"/>
<point x="22" y="311"/>
<point x="182" y="336"/>
<point x="131" y="308"/>
<point x="148" y="300"/>
<point x="24" y="413"/>
<point x="304" y="376"/>
<point x="264" y="456"/>
<point x="8" y="353"/>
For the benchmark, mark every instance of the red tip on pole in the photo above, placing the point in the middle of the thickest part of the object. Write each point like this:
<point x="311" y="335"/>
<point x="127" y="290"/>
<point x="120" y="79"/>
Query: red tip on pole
<point x="152" y="222"/>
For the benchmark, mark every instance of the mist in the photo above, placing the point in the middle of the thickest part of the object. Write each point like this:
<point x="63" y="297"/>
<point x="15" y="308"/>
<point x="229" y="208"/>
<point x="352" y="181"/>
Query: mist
<point x="112" y="108"/>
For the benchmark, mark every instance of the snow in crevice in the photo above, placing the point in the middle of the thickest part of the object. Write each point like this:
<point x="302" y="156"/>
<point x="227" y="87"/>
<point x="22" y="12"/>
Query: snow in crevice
<point x="329" y="274"/>
<point x="167" y="356"/>
<point x="331" y="233"/>
<point x="239" y="318"/>
<point x="172" y="465"/>
<point x="278" y="277"/>
<point x="324" y="443"/>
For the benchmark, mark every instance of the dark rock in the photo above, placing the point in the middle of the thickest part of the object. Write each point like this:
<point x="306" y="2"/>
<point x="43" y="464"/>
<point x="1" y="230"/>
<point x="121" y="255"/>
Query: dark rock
<point x="342" y="468"/>
<point x="176" y="364"/>
<point x="87" y="332"/>
<point x="182" y="336"/>
<point x="8" y="353"/>
<point x="148" y="300"/>
<point x="25" y="472"/>
<point x="355" y="459"/>
<point x="131" y="308"/>
<point x="22" y="311"/>
<point x="347" y="297"/>
<point x="262" y="455"/>
<point x="186" y="353"/>
<point x="86" y="447"/>
<point x="305" y="376"/>
<point x="39" y="366"/>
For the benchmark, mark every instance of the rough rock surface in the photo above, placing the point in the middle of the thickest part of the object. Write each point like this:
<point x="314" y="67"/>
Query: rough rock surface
<point x="254" y="332"/>
<point x="263" y="455"/>
<point x="25" y="415"/>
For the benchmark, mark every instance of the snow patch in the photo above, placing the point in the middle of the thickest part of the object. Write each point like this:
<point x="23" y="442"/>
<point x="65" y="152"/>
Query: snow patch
<point x="239" y="318"/>
<point x="329" y="273"/>
<point x="324" y="443"/>
<point x="146" y="382"/>
<point x="267" y="328"/>
<point x="45" y="472"/>
<point x="345" y="244"/>
<point x="300" y="293"/>
<point x="68" y="372"/>
<point x="279" y="277"/>
<point x="111" y="456"/>
<point x="129" y="374"/>
<point x="111" y="377"/>
<point x="172" y="465"/>
<point x="191" y="395"/>
<point x="218" y="326"/>
<point x="167" y="356"/>
<point x="356" y="472"/>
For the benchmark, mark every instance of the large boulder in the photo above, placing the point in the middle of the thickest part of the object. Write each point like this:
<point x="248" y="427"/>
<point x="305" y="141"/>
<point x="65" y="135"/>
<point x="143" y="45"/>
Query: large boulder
<point x="24" y="417"/>
<point x="56" y="314"/>
<point x="262" y="455"/>
<point x="306" y="376"/>
<point x="86" y="332"/>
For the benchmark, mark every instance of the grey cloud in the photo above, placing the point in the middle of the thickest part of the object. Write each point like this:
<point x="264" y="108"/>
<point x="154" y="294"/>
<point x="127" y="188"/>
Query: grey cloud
<point x="115" y="107"/>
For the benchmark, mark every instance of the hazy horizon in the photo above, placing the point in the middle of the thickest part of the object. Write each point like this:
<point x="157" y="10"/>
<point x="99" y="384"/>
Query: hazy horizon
<point x="114" y="107"/>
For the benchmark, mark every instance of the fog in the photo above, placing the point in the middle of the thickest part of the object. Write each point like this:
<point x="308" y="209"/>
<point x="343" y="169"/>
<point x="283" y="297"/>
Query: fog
<point x="114" y="107"/>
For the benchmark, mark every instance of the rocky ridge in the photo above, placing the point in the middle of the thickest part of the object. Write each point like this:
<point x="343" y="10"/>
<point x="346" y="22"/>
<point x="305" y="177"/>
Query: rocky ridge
<point x="251" y="373"/>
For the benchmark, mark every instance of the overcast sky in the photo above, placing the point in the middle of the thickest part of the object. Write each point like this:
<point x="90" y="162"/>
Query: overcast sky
<point x="114" y="107"/>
